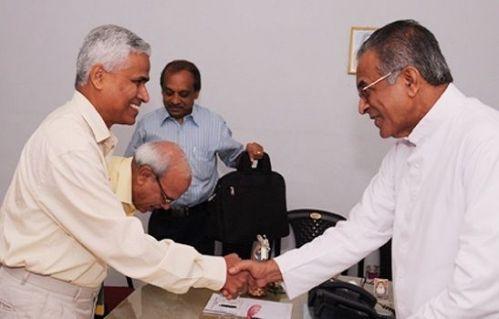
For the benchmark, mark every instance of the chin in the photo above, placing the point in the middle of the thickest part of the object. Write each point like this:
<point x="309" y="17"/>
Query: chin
<point x="128" y="121"/>
<point x="384" y="134"/>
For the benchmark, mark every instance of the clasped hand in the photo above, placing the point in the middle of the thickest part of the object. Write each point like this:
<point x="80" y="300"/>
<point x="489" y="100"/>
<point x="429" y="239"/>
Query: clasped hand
<point x="244" y="274"/>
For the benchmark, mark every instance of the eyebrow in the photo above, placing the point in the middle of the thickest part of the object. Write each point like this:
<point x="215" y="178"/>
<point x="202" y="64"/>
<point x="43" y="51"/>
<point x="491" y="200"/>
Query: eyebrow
<point x="362" y="84"/>
<point x="181" y="90"/>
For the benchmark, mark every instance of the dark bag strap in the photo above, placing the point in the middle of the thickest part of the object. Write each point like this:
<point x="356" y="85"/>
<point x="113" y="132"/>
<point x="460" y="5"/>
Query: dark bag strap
<point x="263" y="164"/>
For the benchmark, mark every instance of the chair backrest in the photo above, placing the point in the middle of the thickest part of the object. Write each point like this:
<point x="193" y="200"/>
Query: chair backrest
<point x="310" y="223"/>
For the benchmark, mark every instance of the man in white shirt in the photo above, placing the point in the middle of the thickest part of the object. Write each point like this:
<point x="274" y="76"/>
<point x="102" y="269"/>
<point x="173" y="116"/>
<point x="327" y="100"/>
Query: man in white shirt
<point x="436" y="192"/>
<point x="60" y="223"/>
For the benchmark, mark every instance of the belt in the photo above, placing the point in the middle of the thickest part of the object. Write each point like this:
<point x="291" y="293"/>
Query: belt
<point x="49" y="283"/>
<point x="185" y="211"/>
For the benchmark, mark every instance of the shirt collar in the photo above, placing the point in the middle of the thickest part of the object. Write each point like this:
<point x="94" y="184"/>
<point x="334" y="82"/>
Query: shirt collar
<point x="194" y="116"/>
<point x="100" y="131"/>
<point x="121" y="181"/>
<point x="440" y="112"/>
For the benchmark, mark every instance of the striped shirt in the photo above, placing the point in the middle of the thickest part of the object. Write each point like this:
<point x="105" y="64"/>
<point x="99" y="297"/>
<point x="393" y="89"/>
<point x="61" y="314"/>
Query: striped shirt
<point x="202" y="136"/>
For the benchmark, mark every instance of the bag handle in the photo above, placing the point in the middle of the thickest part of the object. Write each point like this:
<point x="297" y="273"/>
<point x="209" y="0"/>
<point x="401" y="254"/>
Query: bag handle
<point x="245" y="166"/>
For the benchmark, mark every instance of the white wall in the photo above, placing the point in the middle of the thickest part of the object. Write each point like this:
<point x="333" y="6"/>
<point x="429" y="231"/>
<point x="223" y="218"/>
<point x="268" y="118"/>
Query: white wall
<point x="276" y="70"/>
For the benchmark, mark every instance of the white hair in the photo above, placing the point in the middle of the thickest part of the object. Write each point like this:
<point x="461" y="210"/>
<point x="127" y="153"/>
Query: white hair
<point x="162" y="156"/>
<point x="110" y="46"/>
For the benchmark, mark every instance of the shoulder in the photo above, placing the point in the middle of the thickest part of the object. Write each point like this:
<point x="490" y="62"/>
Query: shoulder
<point x="478" y="121"/>
<point x="201" y="113"/>
<point x="68" y="120"/>
<point x="155" y="116"/>
<point x="472" y="133"/>
<point x="65" y="130"/>
<point x="467" y="116"/>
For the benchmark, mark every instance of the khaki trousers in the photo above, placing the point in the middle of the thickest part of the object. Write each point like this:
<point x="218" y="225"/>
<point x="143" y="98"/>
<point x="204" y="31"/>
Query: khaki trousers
<point x="24" y="294"/>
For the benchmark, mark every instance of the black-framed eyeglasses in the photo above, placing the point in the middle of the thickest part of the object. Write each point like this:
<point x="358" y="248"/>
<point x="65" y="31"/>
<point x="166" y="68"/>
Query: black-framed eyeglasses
<point x="364" y="91"/>
<point x="166" y="198"/>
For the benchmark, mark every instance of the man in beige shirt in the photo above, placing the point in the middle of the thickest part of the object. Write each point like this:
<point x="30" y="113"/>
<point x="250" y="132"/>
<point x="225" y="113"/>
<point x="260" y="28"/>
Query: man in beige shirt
<point x="60" y="223"/>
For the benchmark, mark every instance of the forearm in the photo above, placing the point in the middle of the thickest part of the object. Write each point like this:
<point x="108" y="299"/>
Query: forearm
<point x="183" y="267"/>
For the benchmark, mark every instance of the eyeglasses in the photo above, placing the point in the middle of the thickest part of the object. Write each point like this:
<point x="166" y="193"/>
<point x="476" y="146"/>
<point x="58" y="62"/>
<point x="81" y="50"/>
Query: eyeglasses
<point x="364" y="92"/>
<point x="166" y="199"/>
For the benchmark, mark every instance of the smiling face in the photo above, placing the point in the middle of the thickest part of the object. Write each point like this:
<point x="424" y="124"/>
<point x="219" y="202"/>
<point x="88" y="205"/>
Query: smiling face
<point x="123" y="91"/>
<point x="388" y="105"/>
<point x="179" y="94"/>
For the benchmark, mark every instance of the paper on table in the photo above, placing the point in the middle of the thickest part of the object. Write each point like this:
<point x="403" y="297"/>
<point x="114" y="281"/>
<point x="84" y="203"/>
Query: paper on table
<point x="248" y="308"/>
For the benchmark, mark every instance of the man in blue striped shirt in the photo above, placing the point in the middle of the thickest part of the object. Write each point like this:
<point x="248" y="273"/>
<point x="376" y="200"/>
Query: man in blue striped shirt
<point x="203" y="135"/>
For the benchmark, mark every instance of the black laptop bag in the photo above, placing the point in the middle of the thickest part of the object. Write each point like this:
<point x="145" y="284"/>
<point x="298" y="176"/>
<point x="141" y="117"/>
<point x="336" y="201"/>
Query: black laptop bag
<point x="247" y="202"/>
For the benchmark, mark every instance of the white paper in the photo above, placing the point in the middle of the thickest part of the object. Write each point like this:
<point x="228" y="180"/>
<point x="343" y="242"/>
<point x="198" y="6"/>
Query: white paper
<point x="248" y="308"/>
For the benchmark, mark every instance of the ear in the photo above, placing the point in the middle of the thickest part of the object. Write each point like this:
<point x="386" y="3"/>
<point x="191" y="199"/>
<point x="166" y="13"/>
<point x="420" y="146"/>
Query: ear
<point x="144" y="173"/>
<point x="412" y="80"/>
<point x="97" y="75"/>
<point x="196" y="95"/>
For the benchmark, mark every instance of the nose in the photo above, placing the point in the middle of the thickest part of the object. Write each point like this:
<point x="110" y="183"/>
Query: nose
<point x="363" y="105"/>
<point x="143" y="94"/>
<point x="175" y="99"/>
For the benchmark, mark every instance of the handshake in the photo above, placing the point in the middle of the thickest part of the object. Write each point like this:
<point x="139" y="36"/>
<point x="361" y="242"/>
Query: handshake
<point x="248" y="274"/>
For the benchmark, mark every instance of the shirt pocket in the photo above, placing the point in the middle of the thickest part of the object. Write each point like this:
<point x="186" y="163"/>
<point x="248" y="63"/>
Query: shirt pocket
<point x="203" y="163"/>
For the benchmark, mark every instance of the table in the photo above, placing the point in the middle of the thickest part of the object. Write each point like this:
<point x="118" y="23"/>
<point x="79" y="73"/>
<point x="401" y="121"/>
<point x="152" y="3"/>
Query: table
<point x="150" y="302"/>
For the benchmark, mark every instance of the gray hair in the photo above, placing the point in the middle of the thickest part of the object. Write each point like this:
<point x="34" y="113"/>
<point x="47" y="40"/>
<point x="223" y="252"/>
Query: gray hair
<point x="162" y="156"/>
<point x="406" y="42"/>
<point x="109" y="45"/>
